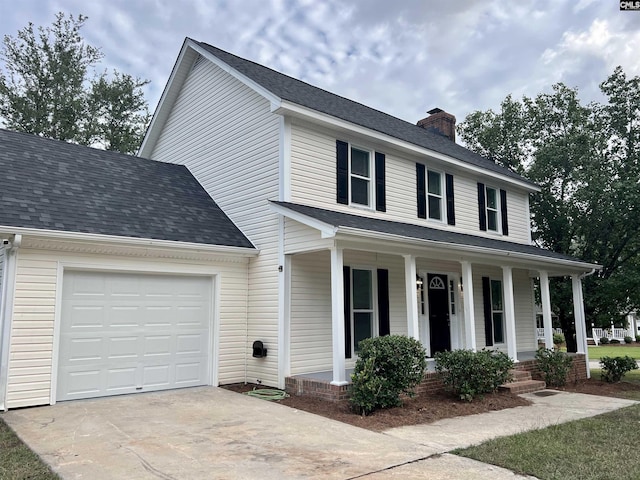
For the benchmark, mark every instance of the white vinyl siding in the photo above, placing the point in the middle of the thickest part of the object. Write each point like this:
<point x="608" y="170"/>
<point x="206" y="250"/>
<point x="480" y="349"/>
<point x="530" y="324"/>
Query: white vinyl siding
<point x="32" y="335"/>
<point x="311" y="341"/>
<point x="226" y="135"/>
<point x="313" y="182"/>
<point x="300" y="238"/>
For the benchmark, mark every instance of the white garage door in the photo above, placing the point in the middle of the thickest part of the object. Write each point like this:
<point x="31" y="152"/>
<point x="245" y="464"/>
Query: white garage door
<point x="127" y="333"/>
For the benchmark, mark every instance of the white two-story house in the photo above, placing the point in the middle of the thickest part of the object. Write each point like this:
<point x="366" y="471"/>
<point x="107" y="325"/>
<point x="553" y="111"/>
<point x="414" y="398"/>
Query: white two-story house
<point x="366" y="224"/>
<point x="264" y="213"/>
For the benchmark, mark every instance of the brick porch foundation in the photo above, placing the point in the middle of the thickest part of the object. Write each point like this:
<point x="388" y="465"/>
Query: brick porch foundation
<point x="430" y="383"/>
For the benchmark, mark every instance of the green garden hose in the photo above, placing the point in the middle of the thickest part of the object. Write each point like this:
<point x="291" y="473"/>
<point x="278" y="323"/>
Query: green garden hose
<point x="268" y="394"/>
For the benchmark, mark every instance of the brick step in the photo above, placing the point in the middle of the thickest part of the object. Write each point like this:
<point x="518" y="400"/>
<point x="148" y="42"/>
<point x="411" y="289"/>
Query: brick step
<point x="523" y="386"/>
<point x="592" y="342"/>
<point x="520" y="375"/>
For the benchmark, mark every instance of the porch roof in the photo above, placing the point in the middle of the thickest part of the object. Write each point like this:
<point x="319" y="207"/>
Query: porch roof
<point x="344" y="223"/>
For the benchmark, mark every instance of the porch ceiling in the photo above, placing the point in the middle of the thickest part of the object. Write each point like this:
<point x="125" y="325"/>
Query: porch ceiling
<point x="417" y="238"/>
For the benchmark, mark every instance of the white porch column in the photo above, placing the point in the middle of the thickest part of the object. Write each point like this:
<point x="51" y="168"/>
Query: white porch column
<point x="580" y="320"/>
<point x="578" y="314"/>
<point x="546" y="309"/>
<point x="411" y="296"/>
<point x="469" y="314"/>
<point x="337" y="317"/>
<point x="509" y="312"/>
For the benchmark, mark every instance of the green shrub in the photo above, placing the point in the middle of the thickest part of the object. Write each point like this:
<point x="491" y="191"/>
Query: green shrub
<point x="554" y="365"/>
<point x="471" y="374"/>
<point x="614" y="368"/>
<point x="604" y="341"/>
<point x="614" y="341"/>
<point x="387" y="367"/>
<point x="637" y="338"/>
<point x="628" y="339"/>
<point x="558" y="338"/>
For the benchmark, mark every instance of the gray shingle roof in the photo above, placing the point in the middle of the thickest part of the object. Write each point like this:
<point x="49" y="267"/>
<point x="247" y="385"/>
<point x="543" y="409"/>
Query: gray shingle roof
<point x="301" y="93"/>
<point x="339" y="219"/>
<point x="53" y="185"/>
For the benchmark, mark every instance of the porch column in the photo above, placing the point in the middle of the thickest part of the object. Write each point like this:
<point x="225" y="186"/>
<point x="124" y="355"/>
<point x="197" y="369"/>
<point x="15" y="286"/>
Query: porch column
<point x="546" y="309"/>
<point x="578" y="314"/>
<point x="509" y="312"/>
<point x="580" y="320"/>
<point x="337" y="317"/>
<point x="411" y="296"/>
<point x="469" y="314"/>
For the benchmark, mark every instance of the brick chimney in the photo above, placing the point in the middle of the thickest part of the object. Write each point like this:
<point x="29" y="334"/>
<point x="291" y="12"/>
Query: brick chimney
<point x="440" y="122"/>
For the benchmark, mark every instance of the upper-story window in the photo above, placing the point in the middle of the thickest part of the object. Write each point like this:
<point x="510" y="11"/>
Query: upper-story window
<point x="492" y="207"/>
<point x="360" y="169"/>
<point x="360" y="176"/>
<point x="435" y="195"/>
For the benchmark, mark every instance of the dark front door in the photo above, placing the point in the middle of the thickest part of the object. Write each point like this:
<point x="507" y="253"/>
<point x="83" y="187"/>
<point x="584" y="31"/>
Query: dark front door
<point x="438" y="295"/>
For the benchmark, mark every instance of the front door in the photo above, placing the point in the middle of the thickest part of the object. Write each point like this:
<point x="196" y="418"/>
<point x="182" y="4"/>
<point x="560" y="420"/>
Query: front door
<point x="439" y="326"/>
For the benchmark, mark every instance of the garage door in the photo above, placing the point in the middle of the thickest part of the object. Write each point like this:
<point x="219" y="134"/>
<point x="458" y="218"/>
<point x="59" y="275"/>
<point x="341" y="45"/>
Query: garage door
<point x="127" y="333"/>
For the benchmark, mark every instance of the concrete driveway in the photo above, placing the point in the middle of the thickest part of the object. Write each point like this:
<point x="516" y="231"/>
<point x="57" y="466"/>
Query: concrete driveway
<point x="212" y="433"/>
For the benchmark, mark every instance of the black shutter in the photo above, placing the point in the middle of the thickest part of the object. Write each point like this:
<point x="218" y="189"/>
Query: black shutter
<point x="503" y="208"/>
<point x="381" y="199"/>
<point x="342" y="168"/>
<point x="422" y="191"/>
<point x="346" y="277"/>
<point x="451" y="213"/>
<point x="383" y="302"/>
<point x="482" y="206"/>
<point x="488" y="321"/>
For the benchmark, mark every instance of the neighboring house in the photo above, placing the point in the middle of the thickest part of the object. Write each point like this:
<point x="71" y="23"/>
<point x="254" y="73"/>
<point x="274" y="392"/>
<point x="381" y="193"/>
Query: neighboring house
<point x="365" y="225"/>
<point x="120" y="274"/>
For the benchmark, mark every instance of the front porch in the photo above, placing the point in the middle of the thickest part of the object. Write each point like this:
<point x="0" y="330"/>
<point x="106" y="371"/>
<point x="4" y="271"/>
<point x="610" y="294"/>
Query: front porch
<point x="318" y="384"/>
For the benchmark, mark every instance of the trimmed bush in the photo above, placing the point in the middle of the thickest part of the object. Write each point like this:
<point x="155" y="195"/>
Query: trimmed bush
<point x="387" y="367"/>
<point x="614" y="368"/>
<point x="558" y="338"/>
<point x="604" y="341"/>
<point x="628" y="339"/>
<point x="614" y="341"/>
<point x="554" y="365"/>
<point x="468" y="374"/>
<point x="637" y="338"/>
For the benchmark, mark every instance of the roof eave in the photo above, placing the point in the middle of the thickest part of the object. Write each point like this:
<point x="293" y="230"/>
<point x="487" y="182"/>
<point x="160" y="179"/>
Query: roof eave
<point x="285" y="107"/>
<point x="8" y="231"/>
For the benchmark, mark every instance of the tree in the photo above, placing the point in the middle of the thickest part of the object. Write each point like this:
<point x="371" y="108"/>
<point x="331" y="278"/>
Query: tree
<point x="586" y="160"/>
<point x="49" y="87"/>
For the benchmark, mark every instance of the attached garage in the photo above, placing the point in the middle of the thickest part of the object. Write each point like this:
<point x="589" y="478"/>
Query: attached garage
<point x="126" y="333"/>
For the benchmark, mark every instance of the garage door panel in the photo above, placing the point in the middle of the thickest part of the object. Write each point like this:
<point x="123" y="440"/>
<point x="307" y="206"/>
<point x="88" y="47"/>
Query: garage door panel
<point x="153" y="337"/>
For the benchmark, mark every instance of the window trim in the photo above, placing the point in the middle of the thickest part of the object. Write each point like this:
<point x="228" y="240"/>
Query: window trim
<point x="442" y="197"/>
<point x="374" y="305"/>
<point x="493" y="312"/>
<point x="497" y="210"/>
<point x="371" y="179"/>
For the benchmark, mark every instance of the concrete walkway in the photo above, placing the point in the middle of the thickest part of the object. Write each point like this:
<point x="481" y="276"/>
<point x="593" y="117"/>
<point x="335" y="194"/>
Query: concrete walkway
<point x="211" y="433"/>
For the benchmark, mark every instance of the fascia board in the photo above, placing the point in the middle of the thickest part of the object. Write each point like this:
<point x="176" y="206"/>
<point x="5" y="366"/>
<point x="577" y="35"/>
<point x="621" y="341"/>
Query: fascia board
<point x="129" y="241"/>
<point x="285" y="107"/>
<point x="326" y="230"/>
<point x="256" y="87"/>
<point x="467" y="249"/>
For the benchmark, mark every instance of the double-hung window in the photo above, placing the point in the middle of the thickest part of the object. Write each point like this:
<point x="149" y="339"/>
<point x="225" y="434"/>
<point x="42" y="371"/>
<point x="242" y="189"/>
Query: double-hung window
<point x="362" y="306"/>
<point x="497" y="311"/>
<point x="361" y="177"/>
<point x="435" y="195"/>
<point x="493" y="207"/>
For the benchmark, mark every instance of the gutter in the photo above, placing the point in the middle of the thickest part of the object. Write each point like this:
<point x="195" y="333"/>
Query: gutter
<point x="12" y="245"/>
<point x="130" y="241"/>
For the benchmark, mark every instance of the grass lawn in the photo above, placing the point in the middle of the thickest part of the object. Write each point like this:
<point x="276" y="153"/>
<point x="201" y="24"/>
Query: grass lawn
<point x="596" y="353"/>
<point x="596" y="448"/>
<point x="17" y="462"/>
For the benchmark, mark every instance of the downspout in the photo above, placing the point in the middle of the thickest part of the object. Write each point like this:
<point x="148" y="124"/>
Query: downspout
<point x="6" y="311"/>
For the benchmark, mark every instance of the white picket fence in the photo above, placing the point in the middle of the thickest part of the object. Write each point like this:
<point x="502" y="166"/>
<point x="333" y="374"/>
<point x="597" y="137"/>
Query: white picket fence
<point x="540" y="332"/>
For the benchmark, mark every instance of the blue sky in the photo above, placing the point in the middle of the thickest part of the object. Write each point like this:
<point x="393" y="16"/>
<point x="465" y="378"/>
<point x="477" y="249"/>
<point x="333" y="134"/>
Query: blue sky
<point x="403" y="57"/>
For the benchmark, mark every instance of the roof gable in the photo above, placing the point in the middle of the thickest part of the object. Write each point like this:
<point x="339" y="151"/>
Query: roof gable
<point x="53" y="185"/>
